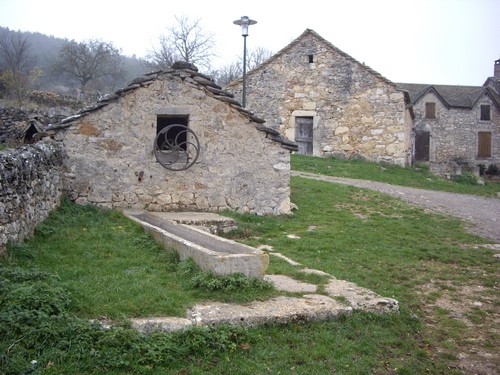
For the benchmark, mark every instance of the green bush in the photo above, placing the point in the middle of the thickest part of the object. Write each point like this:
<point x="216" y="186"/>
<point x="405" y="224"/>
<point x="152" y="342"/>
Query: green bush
<point x="466" y="179"/>
<point x="492" y="170"/>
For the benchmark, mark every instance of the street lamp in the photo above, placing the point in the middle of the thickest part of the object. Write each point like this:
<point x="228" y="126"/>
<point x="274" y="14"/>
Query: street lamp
<point x="244" y="22"/>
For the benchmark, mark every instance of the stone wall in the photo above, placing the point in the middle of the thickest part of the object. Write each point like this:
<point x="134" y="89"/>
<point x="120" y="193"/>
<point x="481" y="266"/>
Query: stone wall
<point x="111" y="161"/>
<point x="453" y="142"/>
<point x="31" y="185"/>
<point x="14" y="122"/>
<point x="356" y="112"/>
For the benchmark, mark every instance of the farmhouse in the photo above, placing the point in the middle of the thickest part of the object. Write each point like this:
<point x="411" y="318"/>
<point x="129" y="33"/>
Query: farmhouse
<point x="331" y="104"/>
<point x="174" y="141"/>
<point x="457" y="127"/>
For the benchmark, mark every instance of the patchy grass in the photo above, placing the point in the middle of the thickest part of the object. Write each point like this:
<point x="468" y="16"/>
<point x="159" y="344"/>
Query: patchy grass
<point x="423" y="260"/>
<point x="104" y="265"/>
<point x="417" y="176"/>
<point x="112" y="268"/>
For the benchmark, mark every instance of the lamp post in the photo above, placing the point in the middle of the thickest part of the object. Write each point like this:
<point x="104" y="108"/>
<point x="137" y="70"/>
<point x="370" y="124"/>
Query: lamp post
<point x="244" y="22"/>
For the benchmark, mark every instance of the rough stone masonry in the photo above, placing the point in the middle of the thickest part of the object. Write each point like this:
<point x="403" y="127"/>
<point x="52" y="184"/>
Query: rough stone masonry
<point x="31" y="186"/>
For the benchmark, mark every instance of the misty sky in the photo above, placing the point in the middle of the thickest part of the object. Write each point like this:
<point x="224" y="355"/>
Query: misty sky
<point x="414" y="41"/>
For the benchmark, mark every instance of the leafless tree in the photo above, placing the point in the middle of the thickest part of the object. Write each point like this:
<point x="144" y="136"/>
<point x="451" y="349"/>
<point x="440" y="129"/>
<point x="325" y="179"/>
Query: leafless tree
<point x="89" y="61"/>
<point x="227" y="73"/>
<point x="257" y="57"/>
<point x="163" y="56"/>
<point x="234" y="70"/>
<point x="15" y="62"/>
<point x="185" y="41"/>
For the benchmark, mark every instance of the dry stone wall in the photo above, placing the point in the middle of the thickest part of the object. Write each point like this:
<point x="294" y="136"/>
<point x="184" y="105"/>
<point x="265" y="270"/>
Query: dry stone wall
<point x="14" y="122"/>
<point x="31" y="185"/>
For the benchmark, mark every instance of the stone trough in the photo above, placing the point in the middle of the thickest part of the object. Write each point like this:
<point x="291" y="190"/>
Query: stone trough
<point x="182" y="232"/>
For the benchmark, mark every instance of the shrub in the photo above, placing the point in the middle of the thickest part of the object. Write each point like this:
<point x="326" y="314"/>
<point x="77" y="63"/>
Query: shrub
<point x="466" y="179"/>
<point x="492" y="170"/>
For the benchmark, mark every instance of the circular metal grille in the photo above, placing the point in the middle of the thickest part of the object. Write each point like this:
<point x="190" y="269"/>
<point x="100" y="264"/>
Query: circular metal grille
<point x="176" y="147"/>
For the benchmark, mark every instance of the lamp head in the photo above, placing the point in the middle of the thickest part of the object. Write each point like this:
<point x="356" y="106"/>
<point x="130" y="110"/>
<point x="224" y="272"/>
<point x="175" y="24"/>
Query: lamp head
<point x="244" y="22"/>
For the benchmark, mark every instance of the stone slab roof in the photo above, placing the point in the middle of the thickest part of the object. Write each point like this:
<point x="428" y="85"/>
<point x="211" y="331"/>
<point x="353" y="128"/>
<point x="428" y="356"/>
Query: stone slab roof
<point x="451" y="96"/>
<point x="189" y="74"/>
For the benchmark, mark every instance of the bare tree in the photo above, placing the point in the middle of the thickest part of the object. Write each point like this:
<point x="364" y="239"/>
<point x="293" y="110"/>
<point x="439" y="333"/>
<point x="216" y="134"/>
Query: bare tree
<point x="234" y="70"/>
<point x="227" y="73"/>
<point x="185" y="41"/>
<point x="15" y="62"/>
<point x="89" y="61"/>
<point x="163" y="56"/>
<point x="257" y="57"/>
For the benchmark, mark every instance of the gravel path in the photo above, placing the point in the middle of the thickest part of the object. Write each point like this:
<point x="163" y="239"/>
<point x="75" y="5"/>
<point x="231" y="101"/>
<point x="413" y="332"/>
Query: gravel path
<point x="483" y="214"/>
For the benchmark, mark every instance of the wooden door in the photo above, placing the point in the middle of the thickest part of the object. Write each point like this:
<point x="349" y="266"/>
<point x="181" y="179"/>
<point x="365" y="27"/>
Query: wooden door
<point x="304" y="134"/>
<point x="422" y="141"/>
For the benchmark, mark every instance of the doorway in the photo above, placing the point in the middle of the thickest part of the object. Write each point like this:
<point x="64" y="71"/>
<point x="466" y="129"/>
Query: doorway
<point x="422" y="142"/>
<point x="304" y="134"/>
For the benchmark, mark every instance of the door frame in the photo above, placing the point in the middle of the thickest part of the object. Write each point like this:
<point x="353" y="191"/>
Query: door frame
<point x="290" y="131"/>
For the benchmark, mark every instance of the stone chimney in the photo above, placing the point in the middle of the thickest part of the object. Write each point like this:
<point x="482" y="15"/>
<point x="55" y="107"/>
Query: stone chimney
<point x="496" y="73"/>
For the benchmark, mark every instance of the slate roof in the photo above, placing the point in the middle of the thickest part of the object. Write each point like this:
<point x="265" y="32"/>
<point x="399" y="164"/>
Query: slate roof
<point x="451" y="96"/>
<point x="189" y="74"/>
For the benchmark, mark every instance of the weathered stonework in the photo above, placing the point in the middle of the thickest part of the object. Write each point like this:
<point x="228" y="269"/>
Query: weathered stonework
<point x="453" y="144"/>
<point x="241" y="166"/>
<point x="18" y="125"/>
<point x="355" y="111"/>
<point x="31" y="185"/>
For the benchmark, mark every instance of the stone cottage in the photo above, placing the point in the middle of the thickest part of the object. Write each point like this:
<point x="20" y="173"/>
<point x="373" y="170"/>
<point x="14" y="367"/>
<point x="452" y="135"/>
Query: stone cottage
<point x="330" y="104"/>
<point x="456" y="127"/>
<point x="173" y="140"/>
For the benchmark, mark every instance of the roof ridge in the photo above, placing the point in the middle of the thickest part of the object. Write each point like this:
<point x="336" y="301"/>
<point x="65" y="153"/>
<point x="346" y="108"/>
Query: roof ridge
<point x="188" y="75"/>
<point x="297" y="40"/>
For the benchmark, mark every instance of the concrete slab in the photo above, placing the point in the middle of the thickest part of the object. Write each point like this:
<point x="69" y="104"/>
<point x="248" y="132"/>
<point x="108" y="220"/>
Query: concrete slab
<point x="160" y="324"/>
<point x="278" y="310"/>
<point x="361" y="298"/>
<point x="288" y="284"/>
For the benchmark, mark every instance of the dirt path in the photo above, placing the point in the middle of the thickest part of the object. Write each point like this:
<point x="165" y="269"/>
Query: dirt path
<point x="482" y="213"/>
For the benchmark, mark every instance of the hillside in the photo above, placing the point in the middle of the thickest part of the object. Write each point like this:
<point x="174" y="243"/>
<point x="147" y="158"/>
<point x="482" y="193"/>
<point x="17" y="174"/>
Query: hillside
<point x="43" y="52"/>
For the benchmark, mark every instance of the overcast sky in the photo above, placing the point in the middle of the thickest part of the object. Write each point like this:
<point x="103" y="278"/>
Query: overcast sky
<point x="415" y="41"/>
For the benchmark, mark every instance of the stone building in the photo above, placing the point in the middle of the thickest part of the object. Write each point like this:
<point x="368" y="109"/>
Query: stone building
<point x="330" y="104"/>
<point x="173" y="140"/>
<point x="457" y="127"/>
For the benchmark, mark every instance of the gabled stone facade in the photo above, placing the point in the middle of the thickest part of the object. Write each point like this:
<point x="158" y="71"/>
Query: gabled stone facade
<point x="242" y="165"/>
<point x="329" y="103"/>
<point x="456" y="127"/>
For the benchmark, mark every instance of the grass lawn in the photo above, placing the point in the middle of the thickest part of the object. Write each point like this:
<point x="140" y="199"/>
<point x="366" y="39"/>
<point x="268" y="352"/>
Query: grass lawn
<point x="417" y="176"/>
<point x="89" y="263"/>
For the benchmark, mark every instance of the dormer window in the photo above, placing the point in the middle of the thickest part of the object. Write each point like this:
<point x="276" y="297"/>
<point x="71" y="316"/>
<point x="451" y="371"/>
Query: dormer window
<point x="485" y="113"/>
<point x="430" y="111"/>
<point x="311" y="59"/>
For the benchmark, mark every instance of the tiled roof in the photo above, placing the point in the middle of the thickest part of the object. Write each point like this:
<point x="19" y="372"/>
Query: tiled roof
<point x="451" y="96"/>
<point x="189" y="74"/>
